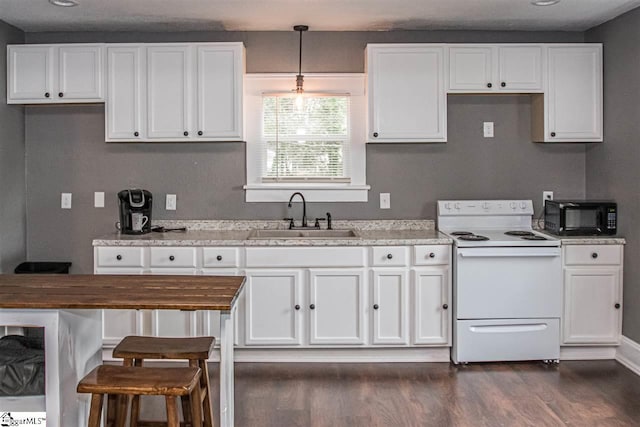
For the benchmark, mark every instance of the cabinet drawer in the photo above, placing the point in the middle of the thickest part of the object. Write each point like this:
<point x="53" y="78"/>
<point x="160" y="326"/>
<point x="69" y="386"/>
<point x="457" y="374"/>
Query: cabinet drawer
<point x="432" y="255"/>
<point x="389" y="256"/>
<point x="220" y="257"/>
<point x="593" y="255"/>
<point x="120" y="257"/>
<point x="173" y="257"/>
<point x="306" y="257"/>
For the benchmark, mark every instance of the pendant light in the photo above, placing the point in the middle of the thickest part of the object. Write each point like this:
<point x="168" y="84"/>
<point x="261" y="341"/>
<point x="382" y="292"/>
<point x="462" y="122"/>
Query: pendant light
<point x="300" y="77"/>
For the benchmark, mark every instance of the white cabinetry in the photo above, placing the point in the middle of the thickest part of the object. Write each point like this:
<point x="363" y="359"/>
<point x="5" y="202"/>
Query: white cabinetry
<point x="390" y="306"/>
<point x="407" y="100"/>
<point x="571" y="110"/>
<point x="431" y="291"/>
<point x="45" y="74"/>
<point x="592" y="295"/>
<point x="189" y="92"/>
<point x="495" y="68"/>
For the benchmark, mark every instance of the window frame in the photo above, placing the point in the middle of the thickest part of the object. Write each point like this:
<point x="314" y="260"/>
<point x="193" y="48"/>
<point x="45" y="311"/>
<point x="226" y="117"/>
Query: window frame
<point x="258" y="191"/>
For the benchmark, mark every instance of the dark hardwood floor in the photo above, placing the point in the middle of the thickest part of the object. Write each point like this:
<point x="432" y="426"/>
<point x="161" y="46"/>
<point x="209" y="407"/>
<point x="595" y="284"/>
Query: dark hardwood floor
<point x="593" y="393"/>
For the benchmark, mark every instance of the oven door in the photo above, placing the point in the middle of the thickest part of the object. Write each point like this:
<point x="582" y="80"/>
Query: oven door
<point x="508" y="283"/>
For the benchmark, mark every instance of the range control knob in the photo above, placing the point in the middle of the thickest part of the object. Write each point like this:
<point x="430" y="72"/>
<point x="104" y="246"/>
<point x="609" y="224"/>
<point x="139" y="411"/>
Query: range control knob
<point x="513" y="205"/>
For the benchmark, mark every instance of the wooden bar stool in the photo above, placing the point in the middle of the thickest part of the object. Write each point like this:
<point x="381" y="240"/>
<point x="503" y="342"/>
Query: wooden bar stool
<point x="134" y="350"/>
<point x="129" y="381"/>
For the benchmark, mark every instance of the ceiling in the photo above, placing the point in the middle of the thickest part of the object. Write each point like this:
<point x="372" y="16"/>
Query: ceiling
<point x="320" y="15"/>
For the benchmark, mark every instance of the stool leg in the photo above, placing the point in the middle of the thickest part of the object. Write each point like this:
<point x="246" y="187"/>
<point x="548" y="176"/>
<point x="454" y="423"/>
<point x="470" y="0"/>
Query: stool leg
<point x="173" y="420"/>
<point x="186" y="410"/>
<point x="206" y="394"/>
<point x="122" y="409"/>
<point x="135" y="400"/>
<point x="196" y="407"/>
<point x="95" y="413"/>
<point x="111" y="410"/>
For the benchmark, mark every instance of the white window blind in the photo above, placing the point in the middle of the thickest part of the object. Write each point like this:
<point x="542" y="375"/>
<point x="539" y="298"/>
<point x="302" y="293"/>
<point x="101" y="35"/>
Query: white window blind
<point x="305" y="139"/>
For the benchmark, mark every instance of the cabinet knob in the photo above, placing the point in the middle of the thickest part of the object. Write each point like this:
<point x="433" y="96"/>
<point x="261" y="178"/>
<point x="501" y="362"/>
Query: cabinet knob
<point x="136" y="134"/>
<point x="60" y="94"/>
<point x="445" y="306"/>
<point x="297" y="307"/>
<point x="432" y="255"/>
<point x="186" y="133"/>
<point x="375" y="134"/>
<point x="389" y="256"/>
<point x="553" y="134"/>
<point x="489" y="85"/>
<point x="119" y="257"/>
<point x="312" y="306"/>
<point x="47" y="94"/>
<point x="376" y="306"/>
<point x="171" y="258"/>
<point x="617" y="306"/>
<point x="199" y="133"/>
<point x="503" y="84"/>
<point x="594" y="255"/>
<point x="219" y="257"/>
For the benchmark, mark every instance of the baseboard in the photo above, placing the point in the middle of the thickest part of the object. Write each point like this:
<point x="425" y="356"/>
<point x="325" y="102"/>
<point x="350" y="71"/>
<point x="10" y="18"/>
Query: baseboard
<point x="587" y="352"/>
<point x="629" y="354"/>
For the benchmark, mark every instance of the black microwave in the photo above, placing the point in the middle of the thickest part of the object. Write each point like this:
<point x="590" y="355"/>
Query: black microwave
<point x="580" y="217"/>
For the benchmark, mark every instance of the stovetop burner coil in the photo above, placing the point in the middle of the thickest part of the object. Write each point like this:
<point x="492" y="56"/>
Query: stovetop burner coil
<point x="462" y="233"/>
<point x="534" y="237"/>
<point x="473" y="237"/>
<point x="520" y="233"/>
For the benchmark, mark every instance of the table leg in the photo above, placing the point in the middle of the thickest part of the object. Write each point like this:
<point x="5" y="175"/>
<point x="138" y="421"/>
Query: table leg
<point x="226" y="368"/>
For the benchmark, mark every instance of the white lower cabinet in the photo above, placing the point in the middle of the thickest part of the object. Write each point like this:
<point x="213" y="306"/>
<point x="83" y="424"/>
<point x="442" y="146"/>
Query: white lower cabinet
<point x="592" y="295"/>
<point x="389" y="306"/>
<point x="272" y="307"/>
<point x="431" y="294"/>
<point x="336" y="307"/>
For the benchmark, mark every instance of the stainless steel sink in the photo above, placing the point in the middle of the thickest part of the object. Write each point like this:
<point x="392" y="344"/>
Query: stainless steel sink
<point x="302" y="234"/>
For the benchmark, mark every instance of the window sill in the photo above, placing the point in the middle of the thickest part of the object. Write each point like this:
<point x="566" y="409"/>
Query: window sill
<point x="312" y="192"/>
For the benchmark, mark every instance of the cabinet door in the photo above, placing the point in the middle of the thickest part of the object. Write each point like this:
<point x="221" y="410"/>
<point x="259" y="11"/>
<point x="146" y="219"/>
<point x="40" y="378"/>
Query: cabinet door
<point x="390" y="307"/>
<point x="124" y="93"/>
<point x="520" y="68"/>
<point x="79" y="73"/>
<point x="273" y="307"/>
<point x="168" y="91"/>
<point x="592" y="306"/>
<point x="219" y="92"/>
<point x="574" y="94"/>
<point x="174" y="323"/>
<point x="407" y="101"/>
<point x="30" y="74"/>
<point x="471" y="69"/>
<point x="432" y="297"/>
<point x="117" y="324"/>
<point x="336" y="307"/>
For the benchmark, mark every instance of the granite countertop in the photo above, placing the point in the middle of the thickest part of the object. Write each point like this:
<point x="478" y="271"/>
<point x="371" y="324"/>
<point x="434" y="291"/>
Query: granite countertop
<point x="588" y="240"/>
<point x="236" y="233"/>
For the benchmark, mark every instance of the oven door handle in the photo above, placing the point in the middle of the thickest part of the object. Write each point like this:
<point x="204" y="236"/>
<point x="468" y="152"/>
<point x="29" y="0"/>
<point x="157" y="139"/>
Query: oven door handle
<point x="508" y="252"/>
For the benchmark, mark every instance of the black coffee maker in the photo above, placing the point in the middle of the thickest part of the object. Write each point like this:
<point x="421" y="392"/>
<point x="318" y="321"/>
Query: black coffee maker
<point x="135" y="211"/>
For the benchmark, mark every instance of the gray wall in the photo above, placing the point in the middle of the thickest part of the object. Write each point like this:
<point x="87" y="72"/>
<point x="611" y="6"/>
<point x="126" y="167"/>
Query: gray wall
<point x="613" y="168"/>
<point x="66" y="151"/>
<point x="12" y="165"/>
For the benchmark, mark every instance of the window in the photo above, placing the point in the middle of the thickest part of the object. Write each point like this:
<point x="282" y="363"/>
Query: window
<point x="305" y="138"/>
<point x="314" y="144"/>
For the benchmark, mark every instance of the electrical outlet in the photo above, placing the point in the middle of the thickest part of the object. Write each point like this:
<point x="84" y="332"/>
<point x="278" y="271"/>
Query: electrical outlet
<point x="385" y="200"/>
<point x="546" y="195"/>
<point x="98" y="199"/>
<point x="65" y="201"/>
<point x="488" y="129"/>
<point x="171" y="203"/>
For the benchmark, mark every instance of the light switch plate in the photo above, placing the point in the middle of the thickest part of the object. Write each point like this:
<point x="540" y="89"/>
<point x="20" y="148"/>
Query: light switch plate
<point x="488" y="129"/>
<point x="65" y="201"/>
<point x="171" y="202"/>
<point x="385" y="200"/>
<point x="98" y="199"/>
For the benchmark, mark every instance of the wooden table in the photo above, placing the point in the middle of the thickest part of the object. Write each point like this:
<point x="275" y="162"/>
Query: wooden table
<point x="24" y="295"/>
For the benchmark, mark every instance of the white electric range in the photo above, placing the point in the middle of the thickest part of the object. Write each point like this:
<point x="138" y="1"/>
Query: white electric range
<point x="507" y="282"/>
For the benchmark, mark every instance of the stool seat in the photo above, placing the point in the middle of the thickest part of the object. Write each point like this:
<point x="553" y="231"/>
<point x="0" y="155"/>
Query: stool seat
<point x="108" y="379"/>
<point x="136" y="347"/>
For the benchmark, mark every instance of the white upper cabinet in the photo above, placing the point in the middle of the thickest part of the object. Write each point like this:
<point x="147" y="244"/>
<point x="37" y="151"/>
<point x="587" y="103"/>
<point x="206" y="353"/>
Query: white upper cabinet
<point x="169" y="76"/>
<point x="407" y="100"/>
<point x="573" y="98"/>
<point x="43" y="74"/>
<point x="495" y="68"/>
<point x="175" y="92"/>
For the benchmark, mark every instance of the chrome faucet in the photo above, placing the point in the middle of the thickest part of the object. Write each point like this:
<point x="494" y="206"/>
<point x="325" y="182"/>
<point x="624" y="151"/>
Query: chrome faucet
<point x="304" y="209"/>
